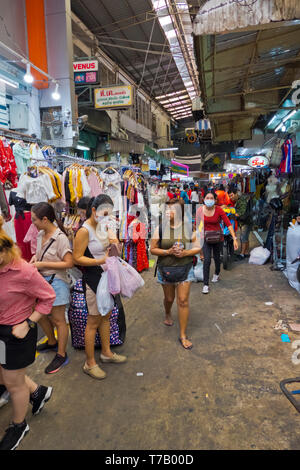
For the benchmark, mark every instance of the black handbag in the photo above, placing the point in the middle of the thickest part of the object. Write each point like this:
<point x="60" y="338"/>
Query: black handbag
<point x="175" y="273"/>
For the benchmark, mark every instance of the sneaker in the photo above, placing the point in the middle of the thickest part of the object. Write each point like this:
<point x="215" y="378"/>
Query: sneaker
<point x="216" y="278"/>
<point x="44" y="395"/>
<point x="4" y="398"/>
<point x="57" y="363"/>
<point x="205" y="290"/>
<point x="13" y="436"/>
<point x="45" y="347"/>
<point x="116" y="358"/>
<point x="94" y="372"/>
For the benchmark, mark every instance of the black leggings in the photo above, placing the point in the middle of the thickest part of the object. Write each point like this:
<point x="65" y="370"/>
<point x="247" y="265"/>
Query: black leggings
<point x="207" y="249"/>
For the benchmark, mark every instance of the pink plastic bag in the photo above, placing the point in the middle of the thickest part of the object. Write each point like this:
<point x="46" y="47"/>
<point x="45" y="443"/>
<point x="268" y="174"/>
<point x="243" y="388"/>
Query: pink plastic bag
<point x="112" y="266"/>
<point x="130" y="279"/>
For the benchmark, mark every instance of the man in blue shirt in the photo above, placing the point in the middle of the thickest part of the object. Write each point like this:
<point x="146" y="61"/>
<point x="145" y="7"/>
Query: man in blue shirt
<point x="184" y="194"/>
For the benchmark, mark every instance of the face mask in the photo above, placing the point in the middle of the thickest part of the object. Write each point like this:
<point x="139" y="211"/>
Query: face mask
<point x="102" y="219"/>
<point x="209" y="203"/>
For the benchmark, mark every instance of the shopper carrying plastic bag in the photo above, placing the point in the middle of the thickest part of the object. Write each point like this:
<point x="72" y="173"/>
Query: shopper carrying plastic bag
<point x="105" y="301"/>
<point x="92" y="248"/>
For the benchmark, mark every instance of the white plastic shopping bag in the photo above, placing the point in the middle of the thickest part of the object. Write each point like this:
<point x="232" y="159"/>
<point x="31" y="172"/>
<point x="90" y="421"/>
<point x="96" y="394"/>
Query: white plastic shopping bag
<point x="198" y="269"/>
<point x="130" y="279"/>
<point x="259" y="255"/>
<point x="105" y="301"/>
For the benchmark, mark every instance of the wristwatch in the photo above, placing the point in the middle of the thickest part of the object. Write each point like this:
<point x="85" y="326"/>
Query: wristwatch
<point x="31" y="323"/>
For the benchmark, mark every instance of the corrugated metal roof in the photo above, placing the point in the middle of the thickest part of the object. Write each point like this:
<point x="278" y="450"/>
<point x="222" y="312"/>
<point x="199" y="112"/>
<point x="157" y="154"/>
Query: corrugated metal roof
<point x="124" y="28"/>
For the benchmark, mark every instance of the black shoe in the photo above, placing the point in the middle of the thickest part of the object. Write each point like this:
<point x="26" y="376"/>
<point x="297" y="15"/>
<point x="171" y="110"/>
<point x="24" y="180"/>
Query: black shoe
<point x="57" y="363"/>
<point x="13" y="436"/>
<point x="45" y="347"/>
<point x="44" y="395"/>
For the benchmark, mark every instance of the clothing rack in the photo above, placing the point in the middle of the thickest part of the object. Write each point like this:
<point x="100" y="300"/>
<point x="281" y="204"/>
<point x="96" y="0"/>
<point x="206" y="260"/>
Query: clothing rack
<point x="17" y="135"/>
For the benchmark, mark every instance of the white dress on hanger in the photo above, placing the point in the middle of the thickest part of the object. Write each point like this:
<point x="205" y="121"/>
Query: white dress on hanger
<point x="112" y="187"/>
<point x="35" y="190"/>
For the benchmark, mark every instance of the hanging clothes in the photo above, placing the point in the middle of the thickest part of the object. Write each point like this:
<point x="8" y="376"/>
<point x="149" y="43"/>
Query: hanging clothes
<point x="112" y="187"/>
<point x="139" y="235"/>
<point x="4" y="206"/>
<point x="287" y="158"/>
<point x="22" y="156"/>
<point x="36" y="190"/>
<point x="8" y="167"/>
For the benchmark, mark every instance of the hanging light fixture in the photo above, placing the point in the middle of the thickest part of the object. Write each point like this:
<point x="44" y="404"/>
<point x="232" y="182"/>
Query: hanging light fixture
<point x="28" y="78"/>
<point x="56" y="94"/>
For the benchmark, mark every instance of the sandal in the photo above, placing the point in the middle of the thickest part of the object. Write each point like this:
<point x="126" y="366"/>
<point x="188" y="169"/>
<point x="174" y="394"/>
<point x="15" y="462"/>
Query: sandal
<point x="168" y="324"/>
<point x="94" y="372"/>
<point x="181" y="340"/>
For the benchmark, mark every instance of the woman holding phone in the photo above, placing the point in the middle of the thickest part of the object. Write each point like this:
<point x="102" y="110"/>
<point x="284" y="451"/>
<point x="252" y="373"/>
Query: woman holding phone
<point x="94" y="242"/>
<point x="175" y="244"/>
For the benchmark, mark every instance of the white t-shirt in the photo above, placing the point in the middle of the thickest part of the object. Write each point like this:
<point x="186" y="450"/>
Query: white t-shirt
<point x="195" y="196"/>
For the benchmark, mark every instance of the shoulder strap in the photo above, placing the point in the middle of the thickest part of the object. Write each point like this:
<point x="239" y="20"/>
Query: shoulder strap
<point x="160" y="233"/>
<point x="46" y="249"/>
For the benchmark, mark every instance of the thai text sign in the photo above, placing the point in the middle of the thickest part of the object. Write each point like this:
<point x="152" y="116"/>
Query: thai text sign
<point x="114" y="97"/>
<point x="258" y="161"/>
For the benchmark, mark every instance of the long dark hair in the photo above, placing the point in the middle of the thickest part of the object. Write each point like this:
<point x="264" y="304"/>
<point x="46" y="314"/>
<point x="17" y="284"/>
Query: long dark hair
<point x="96" y="202"/>
<point x="43" y="209"/>
<point x="211" y="191"/>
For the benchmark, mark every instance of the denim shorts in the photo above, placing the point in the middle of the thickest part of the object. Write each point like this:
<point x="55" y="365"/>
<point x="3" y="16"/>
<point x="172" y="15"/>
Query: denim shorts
<point x="62" y="291"/>
<point x="245" y="232"/>
<point x="190" y="277"/>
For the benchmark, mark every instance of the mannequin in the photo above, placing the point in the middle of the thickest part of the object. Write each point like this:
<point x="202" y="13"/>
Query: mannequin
<point x="271" y="188"/>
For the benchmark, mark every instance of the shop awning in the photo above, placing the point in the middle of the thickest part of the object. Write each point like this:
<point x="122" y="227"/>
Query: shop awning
<point x="156" y="156"/>
<point x="123" y="147"/>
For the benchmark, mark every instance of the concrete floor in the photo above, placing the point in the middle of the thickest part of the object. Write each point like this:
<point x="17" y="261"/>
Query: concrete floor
<point x="223" y="394"/>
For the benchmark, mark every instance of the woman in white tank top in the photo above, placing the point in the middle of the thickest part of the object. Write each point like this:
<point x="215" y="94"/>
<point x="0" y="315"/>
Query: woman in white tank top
<point x="91" y="248"/>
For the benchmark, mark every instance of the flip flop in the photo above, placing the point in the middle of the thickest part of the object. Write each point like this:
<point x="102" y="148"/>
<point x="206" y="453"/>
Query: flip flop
<point x="180" y="341"/>
<point x="168" y="324"/>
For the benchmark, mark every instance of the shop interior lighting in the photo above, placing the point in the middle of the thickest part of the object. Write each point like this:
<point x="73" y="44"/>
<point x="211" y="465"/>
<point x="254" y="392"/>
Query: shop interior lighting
<point x="9" y="83"/>
<point x="82" y="147"/>
<point x="272" y="120"/>
<point x="168" y="149"/>
<point x="56" y="94"/>
<point x="28" y="78"/>
<point x="289" y="115"/>
<point x="281" y="124"/>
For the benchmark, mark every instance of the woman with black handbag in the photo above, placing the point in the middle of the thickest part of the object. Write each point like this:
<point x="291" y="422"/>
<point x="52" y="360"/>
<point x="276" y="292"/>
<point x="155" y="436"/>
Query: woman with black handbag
<point x="175" y="244"/>
<point x="208" y="221"/>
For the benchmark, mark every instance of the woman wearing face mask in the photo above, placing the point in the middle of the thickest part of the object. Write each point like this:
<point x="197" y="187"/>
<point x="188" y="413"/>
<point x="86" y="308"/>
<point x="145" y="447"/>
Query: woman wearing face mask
<point x="53" y="258"/>
<point x="210" y="216"/>
<point x="25" y="298"/>
<point x="91" y="249"/>
<point x="175" y="245"/>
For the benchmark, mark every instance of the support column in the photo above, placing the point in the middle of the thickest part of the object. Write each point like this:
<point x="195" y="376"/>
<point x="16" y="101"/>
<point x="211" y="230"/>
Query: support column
<point x="60" y="64"/>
